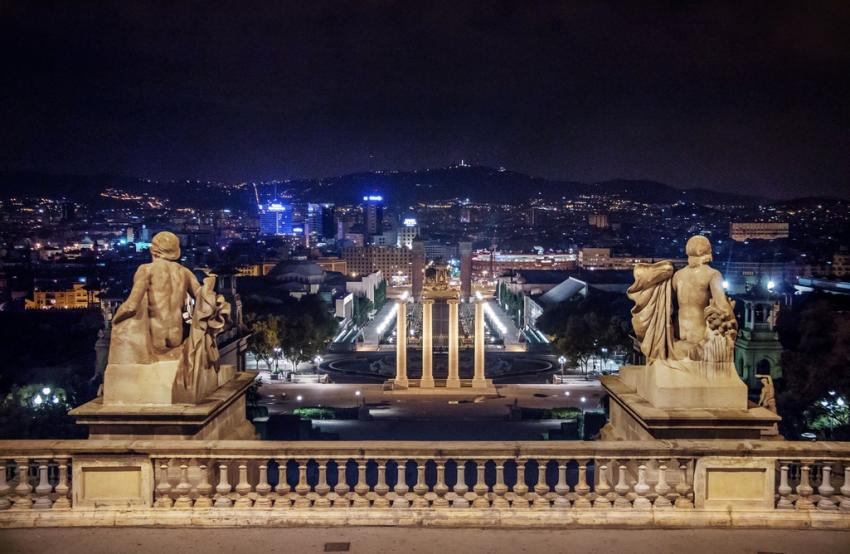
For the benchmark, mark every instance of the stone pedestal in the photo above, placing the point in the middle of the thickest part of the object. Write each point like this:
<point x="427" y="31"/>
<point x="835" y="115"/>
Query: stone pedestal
<point x="661" y="401"/>
<point x="453" y="380"/>
<point x="427" y="380"/>
<point x="219" y="416"/>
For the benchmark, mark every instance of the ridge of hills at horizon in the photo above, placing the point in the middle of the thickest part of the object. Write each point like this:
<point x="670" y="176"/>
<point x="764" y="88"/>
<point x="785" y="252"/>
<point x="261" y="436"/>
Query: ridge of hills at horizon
<point x="401" y="188"/>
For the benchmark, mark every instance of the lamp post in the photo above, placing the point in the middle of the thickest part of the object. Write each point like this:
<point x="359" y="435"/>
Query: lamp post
<point x="277" y="351"/>
<point x="562" y="360"/>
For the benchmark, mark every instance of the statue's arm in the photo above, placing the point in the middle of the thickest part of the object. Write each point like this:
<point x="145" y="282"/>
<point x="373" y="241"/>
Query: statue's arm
<point x="130" y="307"/>
<point x="192" y="283"/>
<point x="718" y="294"/>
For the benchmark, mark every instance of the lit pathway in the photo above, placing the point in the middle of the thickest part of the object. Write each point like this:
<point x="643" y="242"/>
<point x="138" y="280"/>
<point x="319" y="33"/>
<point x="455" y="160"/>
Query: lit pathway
<point x="511" y="336"/>
<point x="371" y="334"/>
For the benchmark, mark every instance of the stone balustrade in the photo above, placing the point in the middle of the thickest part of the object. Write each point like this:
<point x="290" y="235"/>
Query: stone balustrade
<point x="685" y="483"/>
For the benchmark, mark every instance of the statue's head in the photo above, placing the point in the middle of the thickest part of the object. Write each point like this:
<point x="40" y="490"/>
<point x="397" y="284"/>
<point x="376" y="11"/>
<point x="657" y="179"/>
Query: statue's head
<point x="698" y="250"/>
<point x="166" y="245"/>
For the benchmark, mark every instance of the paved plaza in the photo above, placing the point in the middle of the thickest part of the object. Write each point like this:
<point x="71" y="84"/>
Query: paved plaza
<point x="380" y="540"/>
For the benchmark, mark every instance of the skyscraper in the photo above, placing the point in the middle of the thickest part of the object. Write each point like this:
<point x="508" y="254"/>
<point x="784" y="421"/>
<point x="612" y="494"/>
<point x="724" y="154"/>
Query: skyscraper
<point x="276" y="219"/>
<point x="373" y="214"/>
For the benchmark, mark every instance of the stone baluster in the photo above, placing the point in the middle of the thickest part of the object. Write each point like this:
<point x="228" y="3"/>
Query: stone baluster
<point x="401" y="489"/>
<point x="420" y="489"/>
<point x="23" y="490"/>
<point x="263" y="488"/>
<point x="641" y="489"/>
<point x="283" y="500"/>
<point x="784" y="489"/>
<point x="183" y="488"/>
<point x="322" y="488"/>
<point x="582" y="488"/>
<point x="5" y="489"/>
<point x="163" y="487"/>
<point x="562" y="489"/>
<point x="500" y="489"/>
<point x="204" y="490"/>
<point x="826" y="490"/>
<point x="662" y="488"/>
<point x="361" y="488"/>
<point x="520" y="499"/>
<point x="243" y="487"/>
<point x="43" y="489"/>
<point x="603" y="489"/>
<point x="341" y="489"/>
<point x="460" y="489"/>
<point x="844" y="506"/>
<point x="440" y="487"/>
<point x="480" y="488"/>
<point x="541" y="489"/>
<point x="302" y="489"/>
<point x="62" y="488"/>
<point x="222" y="490"/>
<point x="381" y="487"/>
<point x="804" y="488"/>
<point x="622" y="489"/>
<point x="683" y="487"/>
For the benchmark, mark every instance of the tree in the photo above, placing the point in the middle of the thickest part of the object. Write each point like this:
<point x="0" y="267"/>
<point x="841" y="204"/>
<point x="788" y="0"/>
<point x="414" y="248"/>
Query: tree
<point x="362" y="307"/>
<point x="304" y="337"/>
<point x="380" y="294"/>
<point x="816" y="336"/>
<point x="264" y="338"/>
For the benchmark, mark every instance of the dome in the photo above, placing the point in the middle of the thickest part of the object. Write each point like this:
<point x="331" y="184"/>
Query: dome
<point x="302" y="271"/>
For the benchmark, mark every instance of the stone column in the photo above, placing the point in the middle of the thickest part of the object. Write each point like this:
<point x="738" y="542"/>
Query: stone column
<point x="401" y="343"/>
<point x="454" y="374"/>
<point x="478" y="378"/>
<point x="427" y="381"/>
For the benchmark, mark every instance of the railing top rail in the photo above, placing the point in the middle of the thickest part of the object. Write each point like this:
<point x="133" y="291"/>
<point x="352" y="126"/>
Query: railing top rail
<point x="428" y="449"/>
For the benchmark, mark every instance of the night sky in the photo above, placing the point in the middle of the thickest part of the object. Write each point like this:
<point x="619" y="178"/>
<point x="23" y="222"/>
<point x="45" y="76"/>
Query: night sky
<point x="752" y="98"/>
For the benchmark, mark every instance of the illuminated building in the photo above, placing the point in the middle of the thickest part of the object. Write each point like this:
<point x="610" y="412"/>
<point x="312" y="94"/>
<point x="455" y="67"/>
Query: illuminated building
<point x="758" y="231"/>
<point x="373" y="214"/>
<point x="408" y="231"/>
<point x="77" y="297"/>
<point x="276" y="219"/>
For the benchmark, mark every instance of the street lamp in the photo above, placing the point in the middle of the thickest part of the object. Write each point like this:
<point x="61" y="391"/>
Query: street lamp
<point x="562" y="360"/>
<point x="277" y="352"/>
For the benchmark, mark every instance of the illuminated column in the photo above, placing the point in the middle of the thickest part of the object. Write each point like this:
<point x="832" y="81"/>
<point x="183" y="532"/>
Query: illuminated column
<point x="478" y="377"/>
<point x="454" y="379"/>
<point x="401" y="342"/>
<point x="427" y="345"/>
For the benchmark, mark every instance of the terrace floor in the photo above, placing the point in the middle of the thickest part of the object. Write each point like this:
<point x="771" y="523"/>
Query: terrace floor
<point x="377" y="540"/>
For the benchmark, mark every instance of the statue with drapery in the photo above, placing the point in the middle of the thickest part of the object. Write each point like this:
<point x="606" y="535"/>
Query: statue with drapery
<point x="700" y="326"/>
<point x="170" y="318"/>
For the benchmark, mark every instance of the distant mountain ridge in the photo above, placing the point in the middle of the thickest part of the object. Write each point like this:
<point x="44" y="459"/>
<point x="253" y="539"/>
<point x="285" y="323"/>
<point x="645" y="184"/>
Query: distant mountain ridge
<point x="478" y="183"/>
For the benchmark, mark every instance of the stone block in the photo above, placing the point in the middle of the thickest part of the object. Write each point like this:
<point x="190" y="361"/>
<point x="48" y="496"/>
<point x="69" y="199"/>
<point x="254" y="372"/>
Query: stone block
<point x="112" y="481"/>
<point x="732" y="483"/>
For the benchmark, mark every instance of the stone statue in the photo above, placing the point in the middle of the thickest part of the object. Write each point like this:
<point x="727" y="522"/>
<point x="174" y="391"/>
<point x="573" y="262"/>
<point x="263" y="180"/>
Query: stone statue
<point x="767" y="399"/>
<point x="168" y="324"/>
<point x="704" y="329"/>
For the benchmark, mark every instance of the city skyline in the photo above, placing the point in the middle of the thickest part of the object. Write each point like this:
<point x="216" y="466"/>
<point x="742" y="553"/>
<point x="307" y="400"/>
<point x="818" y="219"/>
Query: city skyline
<point x="748" y="99"/>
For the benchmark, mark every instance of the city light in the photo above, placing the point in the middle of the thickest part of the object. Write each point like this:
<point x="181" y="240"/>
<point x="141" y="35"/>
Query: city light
<point x="771" y="285"/>
<point x="299" y="398"/>
<point x="387" y="320"/>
